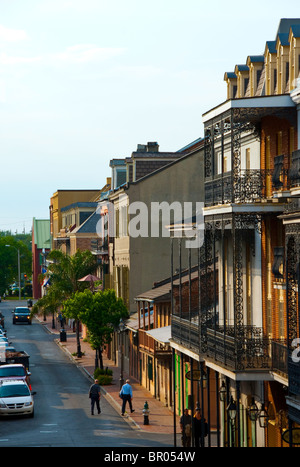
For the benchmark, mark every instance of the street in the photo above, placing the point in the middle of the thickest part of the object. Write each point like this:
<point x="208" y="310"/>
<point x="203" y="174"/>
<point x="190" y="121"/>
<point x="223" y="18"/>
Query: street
<point x="62" y="407"/>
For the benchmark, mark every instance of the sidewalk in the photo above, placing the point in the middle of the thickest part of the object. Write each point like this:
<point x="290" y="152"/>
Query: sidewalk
<point x="161" y="419"/>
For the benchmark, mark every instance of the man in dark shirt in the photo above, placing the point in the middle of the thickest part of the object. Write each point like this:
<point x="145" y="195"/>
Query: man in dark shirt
<point x="95" y="396"/>
<point x="185" y="426"/>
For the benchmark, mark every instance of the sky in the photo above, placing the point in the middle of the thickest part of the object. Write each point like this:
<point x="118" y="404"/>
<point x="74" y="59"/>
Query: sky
<point x="83" y="82"/>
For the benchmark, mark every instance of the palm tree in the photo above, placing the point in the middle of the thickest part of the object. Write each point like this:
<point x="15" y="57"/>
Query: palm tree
<point x="49" y="304"/>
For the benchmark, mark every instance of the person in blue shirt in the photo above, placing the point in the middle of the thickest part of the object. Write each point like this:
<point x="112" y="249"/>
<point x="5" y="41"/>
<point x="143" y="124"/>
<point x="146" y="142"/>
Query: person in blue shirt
<point x="126" y="396"/>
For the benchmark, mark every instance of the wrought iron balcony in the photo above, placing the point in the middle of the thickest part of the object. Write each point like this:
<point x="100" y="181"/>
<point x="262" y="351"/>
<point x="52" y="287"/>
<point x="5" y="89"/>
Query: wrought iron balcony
<point x="243" y="348"/>
<point x="294" y="173"/>
<point x="293" y="375"/>
<point x="280" y="357"/>
<point x="239" y="349"/>
<point x="251" y="186"/>
<point x="186" y="333"/>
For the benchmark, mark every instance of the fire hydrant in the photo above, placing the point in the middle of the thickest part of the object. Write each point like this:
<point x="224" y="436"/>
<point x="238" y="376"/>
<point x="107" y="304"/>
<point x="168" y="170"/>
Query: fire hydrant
<point x="146" y="412"/>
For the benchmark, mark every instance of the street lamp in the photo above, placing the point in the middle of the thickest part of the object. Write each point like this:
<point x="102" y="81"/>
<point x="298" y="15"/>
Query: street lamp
<point x="19" y="268"/>
<point x="253" y="411"/>
<point x="263" y="417"/>
<point x="222" y="392"/>
<point x="231" y="409"/>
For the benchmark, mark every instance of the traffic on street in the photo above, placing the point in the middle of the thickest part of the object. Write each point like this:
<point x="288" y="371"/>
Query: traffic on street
<point x="62" y="415"/>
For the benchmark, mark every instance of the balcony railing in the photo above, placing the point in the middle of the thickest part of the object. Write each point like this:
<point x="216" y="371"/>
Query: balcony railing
<point x="247" y="350"/>
<point x="294" y="375"/>
<point x="185" y="333"/>
<point x="280" y="358"/>
<point x="249" y="187"/>
<point x="240" y="349"/>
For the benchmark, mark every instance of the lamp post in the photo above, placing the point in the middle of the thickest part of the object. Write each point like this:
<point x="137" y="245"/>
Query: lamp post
<point x="19" y="268"/>
<point x="121" y="330"/>
<point x="223" y="397"/>
<point x="231" y="410"/>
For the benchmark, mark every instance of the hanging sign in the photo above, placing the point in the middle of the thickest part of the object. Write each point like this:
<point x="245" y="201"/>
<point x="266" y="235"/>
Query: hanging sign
<point x="295" y="436"/>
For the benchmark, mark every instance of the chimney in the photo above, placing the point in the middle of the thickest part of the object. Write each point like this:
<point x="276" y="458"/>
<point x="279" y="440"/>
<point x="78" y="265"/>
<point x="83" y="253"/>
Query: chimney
<point x="141" y="148"/>
<point x="152" y="147"/>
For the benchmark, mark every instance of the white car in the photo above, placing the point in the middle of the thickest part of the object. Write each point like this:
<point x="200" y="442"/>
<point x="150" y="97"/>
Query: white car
<point x="16" y="398"/>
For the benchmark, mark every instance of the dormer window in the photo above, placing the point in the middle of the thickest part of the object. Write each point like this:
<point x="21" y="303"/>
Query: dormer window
<point x="242" y="73"/>
<point x="231" y="80"/>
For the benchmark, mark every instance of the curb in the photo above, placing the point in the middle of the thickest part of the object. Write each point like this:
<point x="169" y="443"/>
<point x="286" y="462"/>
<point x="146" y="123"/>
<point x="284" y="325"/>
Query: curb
<point x="107" y="396"/>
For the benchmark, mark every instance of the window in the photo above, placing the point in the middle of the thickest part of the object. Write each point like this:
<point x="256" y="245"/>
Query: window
<point x="248" y="163"/>
<point x="287" y="71"/>
<point x="258" y="75"/>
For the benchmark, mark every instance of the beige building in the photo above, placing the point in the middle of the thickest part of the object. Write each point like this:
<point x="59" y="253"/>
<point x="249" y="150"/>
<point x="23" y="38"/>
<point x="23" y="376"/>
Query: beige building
<point x="61" y="199"/>
<point x="140" y="251"/>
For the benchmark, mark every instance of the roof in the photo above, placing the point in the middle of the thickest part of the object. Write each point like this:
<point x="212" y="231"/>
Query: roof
<point x="284" y="38"/>
<point x="115" y="162"/>
<point x="230" y="75"/>
<point x="162" y="335"/>
<point x="296" y="30"/>
<point x="190" y="145"/>
<point x="242" y="67"/>
<point x="155" y="155"/>
<point x="163" y="291"/>
<point x="286" y="23"/>
<point x="271" y="45"/>
<point x="41" y="233"/>
<point x="156" y="293"/>
<point x="90" y="225"/>
<point x="82" y="204"/>
<point x="133" y="322"/>
<point x="257" y="58"/>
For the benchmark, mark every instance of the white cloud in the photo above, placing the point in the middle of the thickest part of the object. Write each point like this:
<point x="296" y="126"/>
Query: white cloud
<point x="12" y="35"/>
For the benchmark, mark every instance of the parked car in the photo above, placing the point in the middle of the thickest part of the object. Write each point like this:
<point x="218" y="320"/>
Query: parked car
<point x="15" y="371"/>
<point x="16" y="398"/>
<point x="21" y="315"/>
<point x="4" y="340"/>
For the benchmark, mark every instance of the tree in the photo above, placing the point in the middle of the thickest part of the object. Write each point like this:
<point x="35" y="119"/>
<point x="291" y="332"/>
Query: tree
<point x="65" y="271"/>
<point x="49" y="304"/>
<point x="9" y="260"/>
<point x="100" y="312"/>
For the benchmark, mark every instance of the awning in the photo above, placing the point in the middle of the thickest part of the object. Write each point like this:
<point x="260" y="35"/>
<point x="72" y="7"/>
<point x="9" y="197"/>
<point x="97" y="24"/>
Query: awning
<point x="162" y="335"/>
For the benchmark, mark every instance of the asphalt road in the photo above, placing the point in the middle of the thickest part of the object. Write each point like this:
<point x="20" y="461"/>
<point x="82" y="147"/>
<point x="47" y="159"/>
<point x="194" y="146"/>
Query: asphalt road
<point x="62" y="407"/>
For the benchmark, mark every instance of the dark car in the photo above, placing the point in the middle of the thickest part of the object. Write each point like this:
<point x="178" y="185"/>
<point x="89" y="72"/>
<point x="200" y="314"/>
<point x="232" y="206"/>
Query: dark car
<point x="21" y="315"/>
<point x="15" y="371"/>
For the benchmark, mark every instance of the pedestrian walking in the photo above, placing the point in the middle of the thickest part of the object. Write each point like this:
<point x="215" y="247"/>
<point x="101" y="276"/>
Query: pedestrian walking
<point x="200" y="429"/>
<point x="186" y="428"/>
<point x="126" y="396"/>
<point x="95" y="396"/>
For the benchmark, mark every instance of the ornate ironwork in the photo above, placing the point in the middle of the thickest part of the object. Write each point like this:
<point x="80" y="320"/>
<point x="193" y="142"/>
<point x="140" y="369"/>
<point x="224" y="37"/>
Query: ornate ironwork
<point x="294" y="173"/>
<point x="292" y="248"/>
